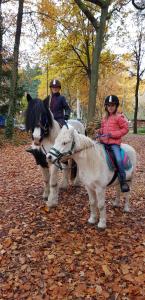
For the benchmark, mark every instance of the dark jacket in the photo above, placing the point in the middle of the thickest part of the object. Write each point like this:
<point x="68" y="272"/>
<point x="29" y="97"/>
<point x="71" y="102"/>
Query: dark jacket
<point x="59" y="107"/>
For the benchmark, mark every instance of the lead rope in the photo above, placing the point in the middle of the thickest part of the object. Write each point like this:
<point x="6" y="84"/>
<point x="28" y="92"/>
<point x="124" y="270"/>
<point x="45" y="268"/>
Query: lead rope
<point x="58" y="163"/>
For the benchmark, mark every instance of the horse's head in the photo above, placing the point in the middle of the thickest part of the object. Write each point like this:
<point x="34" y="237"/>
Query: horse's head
<point x="38" y="119"/>
<point x="64" y="145"/>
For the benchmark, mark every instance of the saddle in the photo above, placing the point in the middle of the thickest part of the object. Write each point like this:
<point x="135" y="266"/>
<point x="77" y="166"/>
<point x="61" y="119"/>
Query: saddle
<point x="111" y="161"/>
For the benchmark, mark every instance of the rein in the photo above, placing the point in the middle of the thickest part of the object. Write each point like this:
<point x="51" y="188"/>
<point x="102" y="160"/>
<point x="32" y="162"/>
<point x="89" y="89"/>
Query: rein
<point x="60" y="155"/>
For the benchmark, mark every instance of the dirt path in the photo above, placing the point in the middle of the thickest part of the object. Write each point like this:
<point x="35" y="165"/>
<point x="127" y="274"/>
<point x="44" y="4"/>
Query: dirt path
<point x="57" y="254"/>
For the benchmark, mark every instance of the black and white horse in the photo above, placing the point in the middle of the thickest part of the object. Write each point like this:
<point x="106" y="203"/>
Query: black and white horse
<point x="39" y="120"/>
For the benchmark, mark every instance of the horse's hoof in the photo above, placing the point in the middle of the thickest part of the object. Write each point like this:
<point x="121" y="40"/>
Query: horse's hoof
<point x="63" y="186"/>
<point x="51" y="205"/>
<point x="101" y="225"/>
<point x="92" y="221"/>
<point x="45" y="197"/>
<point x="127" y="210"/>
<point x="116" y="204"/>
<point x="99" y="229"/>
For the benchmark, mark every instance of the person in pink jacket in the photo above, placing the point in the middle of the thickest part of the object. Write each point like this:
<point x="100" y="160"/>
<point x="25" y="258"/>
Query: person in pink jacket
<point x="113" y="127"/>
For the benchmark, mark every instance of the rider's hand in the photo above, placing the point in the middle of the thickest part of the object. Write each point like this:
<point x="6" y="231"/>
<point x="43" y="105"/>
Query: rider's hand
<point x="66" y="117"/>
<point x="97" y="131"/>
<point x="109" y="135"/>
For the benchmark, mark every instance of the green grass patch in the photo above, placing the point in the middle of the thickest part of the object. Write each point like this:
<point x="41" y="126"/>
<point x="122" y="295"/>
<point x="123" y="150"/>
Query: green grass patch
<point x="141" y="130"/>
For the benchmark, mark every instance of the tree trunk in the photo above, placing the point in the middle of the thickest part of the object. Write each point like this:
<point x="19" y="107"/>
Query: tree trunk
<point x="1" y="48"/>
<point x="13" y="92"/>
<point x="95" y="64"/>
<point x="136" y="105"/>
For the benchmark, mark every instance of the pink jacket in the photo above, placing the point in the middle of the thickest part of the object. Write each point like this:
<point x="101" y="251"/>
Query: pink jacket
<point x="116" y="125"/>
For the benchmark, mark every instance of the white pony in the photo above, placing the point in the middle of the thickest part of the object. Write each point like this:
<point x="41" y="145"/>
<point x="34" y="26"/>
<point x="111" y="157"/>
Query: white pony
<point x="93" y="169"/>
<point x="45" y="129"/>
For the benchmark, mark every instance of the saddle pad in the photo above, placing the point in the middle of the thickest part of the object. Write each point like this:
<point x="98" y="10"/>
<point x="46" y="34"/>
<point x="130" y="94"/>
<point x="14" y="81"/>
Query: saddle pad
<point x="111" y="163"/>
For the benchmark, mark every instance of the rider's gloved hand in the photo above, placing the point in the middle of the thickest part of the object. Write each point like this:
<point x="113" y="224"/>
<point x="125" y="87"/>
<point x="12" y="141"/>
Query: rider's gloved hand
<point x="109" y="135"/>
<point x="66" y="117"/>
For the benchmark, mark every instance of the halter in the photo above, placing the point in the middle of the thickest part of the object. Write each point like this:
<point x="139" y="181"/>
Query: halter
<point x="60" y="155"/>
<point x="44" y="130"/>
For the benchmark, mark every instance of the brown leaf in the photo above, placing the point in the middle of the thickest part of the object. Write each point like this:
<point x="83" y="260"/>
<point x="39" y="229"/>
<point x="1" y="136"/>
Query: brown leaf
<point x="7" y="242"/>
<point x="125" y="269"/>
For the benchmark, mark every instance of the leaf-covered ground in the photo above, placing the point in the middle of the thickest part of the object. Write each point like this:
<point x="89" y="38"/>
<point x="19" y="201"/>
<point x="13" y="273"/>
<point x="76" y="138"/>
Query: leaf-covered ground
<point x="56" y="254"/>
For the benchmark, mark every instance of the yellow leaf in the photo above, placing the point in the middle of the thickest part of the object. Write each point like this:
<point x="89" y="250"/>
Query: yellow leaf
<point x="106" y="270"/>
<point x="50" y="256"/>
<point x="45" y="209"/>
<point x="77" y="252"/>
<point x="98" y="289"/>
<point x="125" y="269"/>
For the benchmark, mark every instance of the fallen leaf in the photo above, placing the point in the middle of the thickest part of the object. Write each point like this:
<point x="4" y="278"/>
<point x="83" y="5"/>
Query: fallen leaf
<point x="106" y="270"/>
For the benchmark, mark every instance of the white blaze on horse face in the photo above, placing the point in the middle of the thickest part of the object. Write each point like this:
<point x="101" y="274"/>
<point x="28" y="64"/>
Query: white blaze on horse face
<point x="37" y="135"/>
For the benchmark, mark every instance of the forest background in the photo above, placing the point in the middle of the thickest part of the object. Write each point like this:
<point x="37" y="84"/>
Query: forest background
<point x="94" y="48"/>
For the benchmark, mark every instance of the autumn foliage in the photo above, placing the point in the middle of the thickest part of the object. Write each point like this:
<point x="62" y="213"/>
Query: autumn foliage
<point x="56" y="254"/>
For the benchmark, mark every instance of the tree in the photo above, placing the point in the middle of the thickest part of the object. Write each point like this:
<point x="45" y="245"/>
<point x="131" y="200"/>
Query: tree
<point x="135" y="42"/>
<point x="100" y="31"/>
<point x="14" y="79"/>
<point x="138" y="55"/>
<point x="5" y="65"/>
<point x="30" y="79"/>
<point x="99" y="22"/>
<point x="1" y="47"/>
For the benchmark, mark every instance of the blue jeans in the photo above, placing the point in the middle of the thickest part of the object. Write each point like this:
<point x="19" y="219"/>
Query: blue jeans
<point x="117" y="154"/>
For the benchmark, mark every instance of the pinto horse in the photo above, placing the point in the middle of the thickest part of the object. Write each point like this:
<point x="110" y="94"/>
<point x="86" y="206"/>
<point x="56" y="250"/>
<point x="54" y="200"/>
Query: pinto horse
<point x="94" y="171"/>
<point x="39" y="120"/>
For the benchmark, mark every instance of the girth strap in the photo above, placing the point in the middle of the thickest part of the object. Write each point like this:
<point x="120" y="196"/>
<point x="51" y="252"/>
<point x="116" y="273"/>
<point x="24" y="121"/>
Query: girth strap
<point x="113" y="178"/>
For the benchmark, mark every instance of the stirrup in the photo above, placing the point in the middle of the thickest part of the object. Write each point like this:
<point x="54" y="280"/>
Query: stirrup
<point x="124" y="187"/>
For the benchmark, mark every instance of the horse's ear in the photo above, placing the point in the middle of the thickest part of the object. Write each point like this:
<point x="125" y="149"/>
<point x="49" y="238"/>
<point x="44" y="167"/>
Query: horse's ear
<point x="71" y="129"/>
<point x="29" y="98"/>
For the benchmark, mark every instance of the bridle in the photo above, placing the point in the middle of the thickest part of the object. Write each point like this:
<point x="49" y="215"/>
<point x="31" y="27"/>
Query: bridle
<point x="58" y="160"/>
<point x="58" y="155"/>
<point x="44" y="130"/>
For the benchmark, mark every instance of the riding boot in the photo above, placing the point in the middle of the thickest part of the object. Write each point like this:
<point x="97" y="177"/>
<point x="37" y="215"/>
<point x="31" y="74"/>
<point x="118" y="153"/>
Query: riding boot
<point x="123" y="184"/>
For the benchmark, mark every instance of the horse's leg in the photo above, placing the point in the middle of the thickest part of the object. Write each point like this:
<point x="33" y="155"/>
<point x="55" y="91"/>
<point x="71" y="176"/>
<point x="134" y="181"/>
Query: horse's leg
<point x="74" y="173"/>
<point x="46" y="178"/>
<point x="53" y="194"/>
<point x="116" y="202"/>
<point x="101" y="206"/>
<point x="65" y="177"/>
<point x="77" y="179"/>
<point x="93" y="205"/>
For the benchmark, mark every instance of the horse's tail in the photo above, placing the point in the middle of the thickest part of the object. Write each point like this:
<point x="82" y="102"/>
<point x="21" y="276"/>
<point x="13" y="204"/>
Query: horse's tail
<point x="73" y="172"/>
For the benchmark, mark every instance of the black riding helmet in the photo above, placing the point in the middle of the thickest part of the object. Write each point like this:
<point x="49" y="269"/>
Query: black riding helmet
<point x="55" y="83"/>
<point x="111" y="99"/>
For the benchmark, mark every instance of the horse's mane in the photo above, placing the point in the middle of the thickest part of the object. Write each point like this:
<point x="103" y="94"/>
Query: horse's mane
<point x="90" y="150"/>
<point x="35" y="111"/>
<point x="82" y="141"/>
